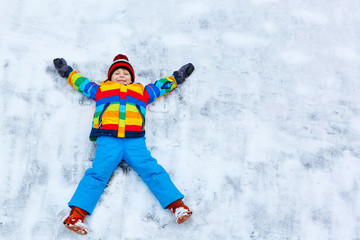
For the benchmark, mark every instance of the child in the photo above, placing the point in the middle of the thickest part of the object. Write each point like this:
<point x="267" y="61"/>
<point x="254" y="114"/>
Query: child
<point x="118" y="128"/>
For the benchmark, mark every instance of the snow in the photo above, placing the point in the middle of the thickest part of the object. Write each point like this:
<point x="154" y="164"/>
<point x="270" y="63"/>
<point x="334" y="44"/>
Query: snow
<point x="263" y="139"/>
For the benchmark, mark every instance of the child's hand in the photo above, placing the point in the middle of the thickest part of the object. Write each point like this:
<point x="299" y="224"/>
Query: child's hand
<point x="61" y="66"/>
<point x="184" y="72"/>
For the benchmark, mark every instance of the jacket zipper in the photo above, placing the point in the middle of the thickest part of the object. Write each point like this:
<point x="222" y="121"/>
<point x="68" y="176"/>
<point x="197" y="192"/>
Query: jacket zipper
<point x="101" y="114"/>
<point x="142" y="116"/>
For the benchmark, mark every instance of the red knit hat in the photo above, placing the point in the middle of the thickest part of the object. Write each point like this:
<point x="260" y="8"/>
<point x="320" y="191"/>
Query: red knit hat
<point x="121" y="61"/>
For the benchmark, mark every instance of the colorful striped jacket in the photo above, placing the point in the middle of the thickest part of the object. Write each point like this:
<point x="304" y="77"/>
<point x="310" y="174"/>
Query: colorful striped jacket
<point x="120" y="109"/>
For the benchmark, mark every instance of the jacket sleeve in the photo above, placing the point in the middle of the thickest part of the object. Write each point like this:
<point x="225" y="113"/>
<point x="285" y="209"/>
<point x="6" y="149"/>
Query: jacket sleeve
<point x="160" y="88"/>
<point x="82" y="84"/>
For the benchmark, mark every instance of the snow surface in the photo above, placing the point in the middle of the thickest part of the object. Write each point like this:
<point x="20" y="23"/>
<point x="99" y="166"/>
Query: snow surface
<point x="263" y="138"/>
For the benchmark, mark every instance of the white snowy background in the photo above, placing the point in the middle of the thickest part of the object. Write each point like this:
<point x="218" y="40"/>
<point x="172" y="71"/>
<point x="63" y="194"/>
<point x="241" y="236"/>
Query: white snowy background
<point x="263" y="138"/>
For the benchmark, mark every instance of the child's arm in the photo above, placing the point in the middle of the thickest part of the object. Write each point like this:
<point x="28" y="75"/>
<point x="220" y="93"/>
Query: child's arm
<point x="80" y="83"/>
<point x="168" y="84"/>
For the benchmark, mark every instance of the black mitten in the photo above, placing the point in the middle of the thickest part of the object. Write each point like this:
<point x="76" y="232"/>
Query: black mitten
<point x="184" y="72"/>
<point x="61" y="66"/>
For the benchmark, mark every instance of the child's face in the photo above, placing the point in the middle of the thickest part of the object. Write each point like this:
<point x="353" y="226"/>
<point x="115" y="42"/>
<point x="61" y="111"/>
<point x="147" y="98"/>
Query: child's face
<point x="121" y="75"/>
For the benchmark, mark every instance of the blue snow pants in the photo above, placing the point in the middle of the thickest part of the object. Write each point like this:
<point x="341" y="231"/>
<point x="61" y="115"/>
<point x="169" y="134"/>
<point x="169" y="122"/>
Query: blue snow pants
<point x="109" y="153"/>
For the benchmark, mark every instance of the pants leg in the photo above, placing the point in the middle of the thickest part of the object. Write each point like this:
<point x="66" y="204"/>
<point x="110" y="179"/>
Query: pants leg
<point x="156" y="178"/>
<point x="109" y="153"/>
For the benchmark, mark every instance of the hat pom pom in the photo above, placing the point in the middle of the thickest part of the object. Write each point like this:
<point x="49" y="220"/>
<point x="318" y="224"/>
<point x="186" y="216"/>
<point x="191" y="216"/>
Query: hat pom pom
<point x="119" y="57"/>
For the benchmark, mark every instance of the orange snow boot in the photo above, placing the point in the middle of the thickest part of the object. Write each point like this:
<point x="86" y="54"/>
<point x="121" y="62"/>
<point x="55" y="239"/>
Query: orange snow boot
<point x="181" y="211"/>
<point x="75" y="221"/>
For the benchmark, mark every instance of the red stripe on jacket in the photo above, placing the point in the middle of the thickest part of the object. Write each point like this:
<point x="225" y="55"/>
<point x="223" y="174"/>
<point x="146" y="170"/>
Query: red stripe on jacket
<point x="110" y="126"/>
<point x="133" y="128"/>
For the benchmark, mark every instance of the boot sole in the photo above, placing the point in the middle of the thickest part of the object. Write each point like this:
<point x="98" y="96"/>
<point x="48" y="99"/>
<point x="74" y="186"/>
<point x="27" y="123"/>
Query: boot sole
<point x="77" y="229"/>
<point x="182" y="219"/>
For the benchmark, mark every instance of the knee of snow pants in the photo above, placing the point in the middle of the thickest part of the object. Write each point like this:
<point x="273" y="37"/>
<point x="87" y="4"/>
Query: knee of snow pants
<point x="154" y="175"/>
<point x="109" y="153"/>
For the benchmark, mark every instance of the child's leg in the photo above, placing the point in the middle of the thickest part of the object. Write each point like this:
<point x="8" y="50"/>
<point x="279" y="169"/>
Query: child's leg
<point x="109" y="153"/>
<point x="154" y="175"/>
